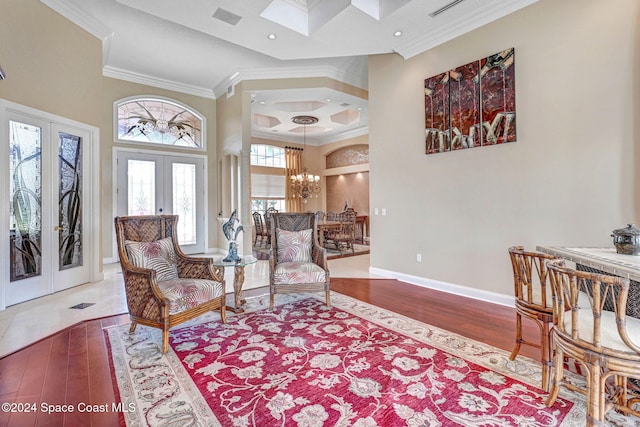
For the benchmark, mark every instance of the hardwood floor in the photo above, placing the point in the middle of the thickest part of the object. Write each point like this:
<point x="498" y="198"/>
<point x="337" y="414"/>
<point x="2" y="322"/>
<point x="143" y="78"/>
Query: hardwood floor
<point x="71" y="367"/>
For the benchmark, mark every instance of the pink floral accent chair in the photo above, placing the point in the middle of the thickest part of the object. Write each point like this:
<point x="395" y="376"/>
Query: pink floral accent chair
<point x="297" y="262"/>
<point x="163" y="286"/>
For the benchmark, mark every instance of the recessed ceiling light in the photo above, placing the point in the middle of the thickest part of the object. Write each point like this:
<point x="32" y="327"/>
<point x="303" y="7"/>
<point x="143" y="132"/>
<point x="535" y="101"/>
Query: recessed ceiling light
<point x="261" y="102"/>
<point x="271" y="36"/>
<point x="397" y="33"/>
<point x="328" y="99"/>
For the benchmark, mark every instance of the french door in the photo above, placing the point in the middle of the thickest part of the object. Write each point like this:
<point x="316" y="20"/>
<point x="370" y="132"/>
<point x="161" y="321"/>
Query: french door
<point x="151" y="183"/>
<point x="49" y="210"/>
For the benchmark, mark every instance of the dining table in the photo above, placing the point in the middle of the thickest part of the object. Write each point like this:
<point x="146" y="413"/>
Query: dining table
<point x="604" y="260"/>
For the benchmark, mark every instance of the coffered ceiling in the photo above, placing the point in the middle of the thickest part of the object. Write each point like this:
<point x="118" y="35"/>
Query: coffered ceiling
<point x="205" y="47"/>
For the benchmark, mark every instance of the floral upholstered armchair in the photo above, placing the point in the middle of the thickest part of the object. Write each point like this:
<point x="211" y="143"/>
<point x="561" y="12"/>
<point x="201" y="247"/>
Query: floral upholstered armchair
<point x="297" y="262"/>
<point x="163" y="286"/>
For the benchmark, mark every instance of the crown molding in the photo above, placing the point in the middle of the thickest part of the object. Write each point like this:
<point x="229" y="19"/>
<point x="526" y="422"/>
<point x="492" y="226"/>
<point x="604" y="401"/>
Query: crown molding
<point x="460" y="26"/>
<point x="314" y="141"/>
<point x="238" y="76"/>
<point x="144" y="79"/>
<point x="289" y="73"/>
<point x="81" y="19"/>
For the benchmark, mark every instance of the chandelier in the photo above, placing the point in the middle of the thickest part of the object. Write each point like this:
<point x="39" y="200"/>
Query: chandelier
<point x="305" y="185"/>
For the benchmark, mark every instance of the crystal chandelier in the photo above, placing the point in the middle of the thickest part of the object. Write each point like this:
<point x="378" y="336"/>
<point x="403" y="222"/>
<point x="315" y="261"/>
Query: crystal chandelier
<point x="305" y="185"/>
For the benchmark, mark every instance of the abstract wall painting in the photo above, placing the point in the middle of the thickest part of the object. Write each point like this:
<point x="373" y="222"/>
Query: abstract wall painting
<point x="497" y="79"/>
<point x="436" y="107"/>
<point x="472" y="105"/>
<point x="464" y="89"/>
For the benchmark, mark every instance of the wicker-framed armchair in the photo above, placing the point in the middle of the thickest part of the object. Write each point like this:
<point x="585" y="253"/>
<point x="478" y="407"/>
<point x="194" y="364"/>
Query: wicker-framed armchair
<point x="163" y="286"/>
<point x="297" y="262"/>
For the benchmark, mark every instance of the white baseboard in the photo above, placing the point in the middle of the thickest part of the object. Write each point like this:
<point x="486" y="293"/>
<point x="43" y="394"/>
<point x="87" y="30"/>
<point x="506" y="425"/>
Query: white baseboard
<point x="465" y="291"/>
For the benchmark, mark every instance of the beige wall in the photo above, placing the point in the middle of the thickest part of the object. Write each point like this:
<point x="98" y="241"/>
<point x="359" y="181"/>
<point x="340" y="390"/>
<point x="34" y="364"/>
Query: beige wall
<point x="350" y="188"/>
<point x="569" y="179"/>
<point x="51" y="64"/>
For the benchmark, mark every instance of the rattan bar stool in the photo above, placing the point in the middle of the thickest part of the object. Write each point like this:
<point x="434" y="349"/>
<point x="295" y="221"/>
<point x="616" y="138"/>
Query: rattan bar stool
<point x="532" y="291"/>
<point x="605" y="343"/>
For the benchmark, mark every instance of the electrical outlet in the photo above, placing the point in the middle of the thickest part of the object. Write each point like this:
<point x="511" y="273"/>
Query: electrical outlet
<point x="419" y="257"/>
<point x="376" y="211"/>
<point x="384" y="211"/>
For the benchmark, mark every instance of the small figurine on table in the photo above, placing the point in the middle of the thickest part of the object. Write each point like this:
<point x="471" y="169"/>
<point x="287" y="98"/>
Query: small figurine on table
<point x="231" y="233"/>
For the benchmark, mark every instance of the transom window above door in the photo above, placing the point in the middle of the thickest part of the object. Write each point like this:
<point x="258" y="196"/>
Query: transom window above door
<point x="159" y="121"/>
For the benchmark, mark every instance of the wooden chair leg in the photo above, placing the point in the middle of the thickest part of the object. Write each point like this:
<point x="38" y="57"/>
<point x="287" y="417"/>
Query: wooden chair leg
<point x="223" y="313"/>
<point x="546" y="361"/>
<point x="558" y="367"/>
<point x="132" y="328"/>
<point x="516" y="349"/>
<point x="271" y="300"/>
<point x="328" y="298"/>
<point x="165" y="340"/>
<point x="594" y="392"/>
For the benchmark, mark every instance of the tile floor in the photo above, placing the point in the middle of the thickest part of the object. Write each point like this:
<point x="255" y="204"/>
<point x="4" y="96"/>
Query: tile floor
<point x="25" y="323"/>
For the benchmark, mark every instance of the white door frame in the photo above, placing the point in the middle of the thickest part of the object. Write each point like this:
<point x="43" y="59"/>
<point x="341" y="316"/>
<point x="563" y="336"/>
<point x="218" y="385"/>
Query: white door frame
<point x="117" y="150"/>
<point x="91" y="195"/>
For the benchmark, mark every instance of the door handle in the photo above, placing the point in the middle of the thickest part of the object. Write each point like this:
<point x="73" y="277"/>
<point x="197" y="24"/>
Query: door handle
<point x="58" y="228"/>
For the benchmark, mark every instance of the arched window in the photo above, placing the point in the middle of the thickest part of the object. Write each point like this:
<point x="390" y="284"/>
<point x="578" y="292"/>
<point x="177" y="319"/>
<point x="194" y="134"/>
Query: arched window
<point x="159" y="121"/>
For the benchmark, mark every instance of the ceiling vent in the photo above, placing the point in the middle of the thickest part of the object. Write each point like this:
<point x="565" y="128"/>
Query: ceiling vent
<point x="445" y="8"/>
<point x="226" y="16"/>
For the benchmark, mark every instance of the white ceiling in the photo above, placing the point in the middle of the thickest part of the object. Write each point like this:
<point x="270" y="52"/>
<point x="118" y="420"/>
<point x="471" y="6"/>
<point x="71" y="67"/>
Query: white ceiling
<point x="180" y="45"/>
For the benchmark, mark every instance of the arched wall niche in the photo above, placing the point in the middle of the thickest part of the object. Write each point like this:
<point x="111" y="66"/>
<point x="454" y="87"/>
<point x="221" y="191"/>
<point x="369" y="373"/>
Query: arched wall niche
<point x="347" y="178"/>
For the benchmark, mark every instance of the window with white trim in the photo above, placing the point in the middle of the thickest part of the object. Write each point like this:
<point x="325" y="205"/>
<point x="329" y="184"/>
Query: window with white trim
<point x="268" y="189"/>
<point x="267" y="155"/>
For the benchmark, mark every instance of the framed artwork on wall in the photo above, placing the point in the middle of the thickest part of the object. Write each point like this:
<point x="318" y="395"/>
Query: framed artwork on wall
<point x="497" y="79"/>
<point x="471" y="105"/>
<point x="464" y="88"/>
<point x="436" y="107"/>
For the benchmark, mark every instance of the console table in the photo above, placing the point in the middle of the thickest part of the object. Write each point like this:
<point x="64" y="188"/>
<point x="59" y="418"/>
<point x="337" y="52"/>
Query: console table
<point x="238" y="278"/>
<point x="604" y="260"/>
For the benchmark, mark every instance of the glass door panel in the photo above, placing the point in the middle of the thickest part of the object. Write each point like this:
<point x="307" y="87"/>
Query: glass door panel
<point x="70" y="201"/>
<point x="141" y="184"/>
<point x="184" y="201"/>
<point x="71" y="219"/>
<point x="25" y="200"/>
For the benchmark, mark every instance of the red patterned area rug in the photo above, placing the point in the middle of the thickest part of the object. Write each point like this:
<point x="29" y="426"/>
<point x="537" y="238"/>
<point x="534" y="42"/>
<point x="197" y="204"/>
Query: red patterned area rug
<point x="305" y="365"/>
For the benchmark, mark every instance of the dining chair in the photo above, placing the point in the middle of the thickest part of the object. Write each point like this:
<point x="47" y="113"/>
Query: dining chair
<point x="163" y="286"/>
<point x="533" y="300"/>
<point x="267" y="222"/>
<point x="331" y="216"/>
<point x="297" y="262"/>
<point x="346" y="234"/>
<point x="605" y="343"/>
<point x="260" y="230"/>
